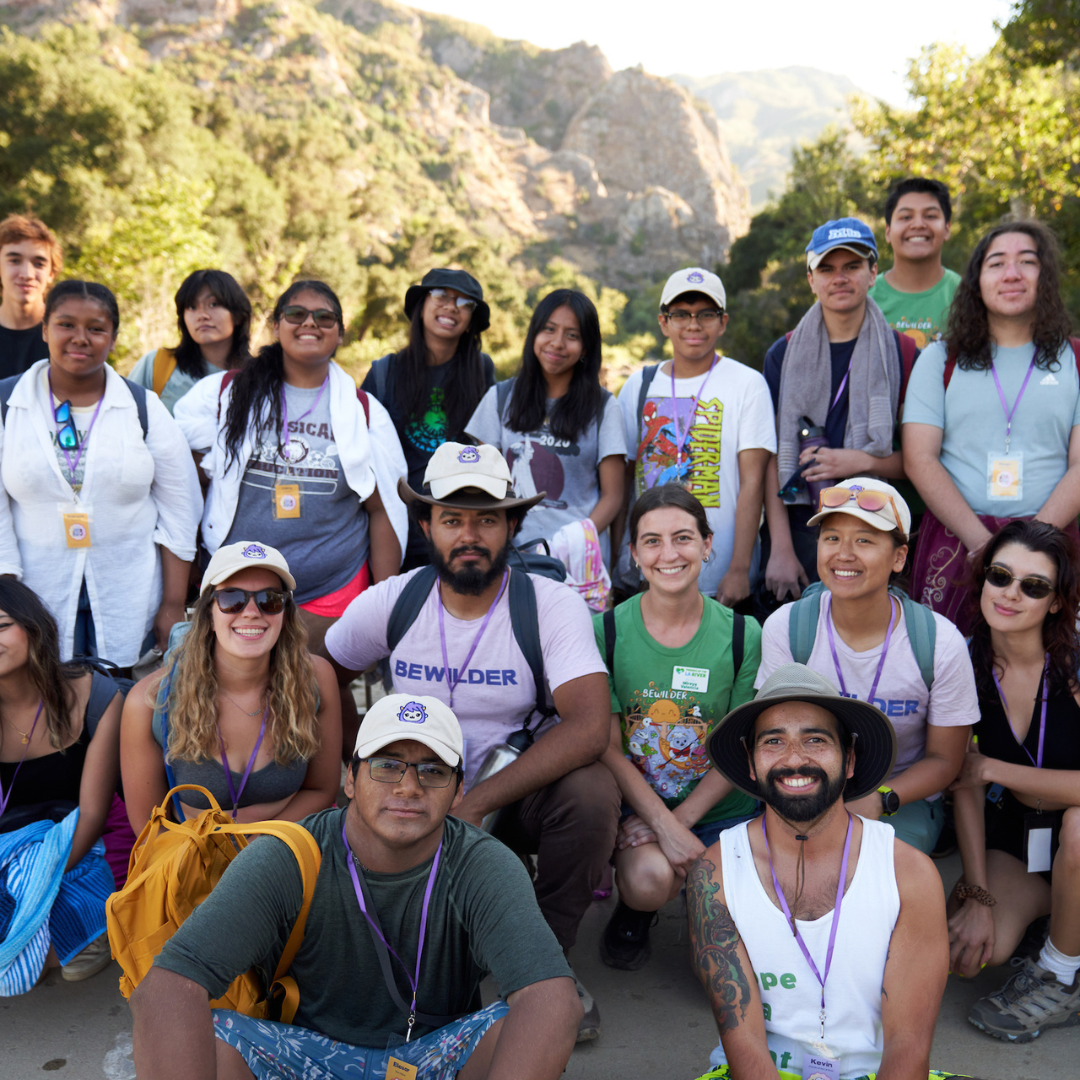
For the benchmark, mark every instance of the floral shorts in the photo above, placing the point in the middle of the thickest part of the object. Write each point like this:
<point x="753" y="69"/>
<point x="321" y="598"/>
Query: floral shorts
<point x="285" y="1052"/>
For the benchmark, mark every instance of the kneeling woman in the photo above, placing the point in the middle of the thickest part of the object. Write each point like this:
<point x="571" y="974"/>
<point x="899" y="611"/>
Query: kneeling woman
<point x="1025" y="651"/>
<point x="59" y="763"/>
<point x="675" y="667"/>
<point x="856" y="632"/>
<point x="243" y="709"/>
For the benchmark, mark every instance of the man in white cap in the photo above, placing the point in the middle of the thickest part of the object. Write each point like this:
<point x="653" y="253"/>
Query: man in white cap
<point x="704" y="421"/>
<point x="469" y="618"/>
<point x="819" y="937"/>
<point x="411" y="909"/>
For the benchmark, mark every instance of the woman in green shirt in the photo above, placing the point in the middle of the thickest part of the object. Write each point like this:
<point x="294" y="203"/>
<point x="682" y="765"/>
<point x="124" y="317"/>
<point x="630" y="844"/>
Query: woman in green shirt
<point x="677" y="661"/>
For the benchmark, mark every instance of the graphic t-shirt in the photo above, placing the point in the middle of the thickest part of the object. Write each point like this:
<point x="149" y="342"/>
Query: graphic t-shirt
<point x="669" y="699"/>
<point x="734" y="413"/>
<point x="566" y="470"/>
<point x="496" y="692"/>
<point x="901" y="694"/>
<point x="920" y="315"/>
<point x="20" y="350"/>
<point x="328" y="543"/>
<point x="973" y="423"/>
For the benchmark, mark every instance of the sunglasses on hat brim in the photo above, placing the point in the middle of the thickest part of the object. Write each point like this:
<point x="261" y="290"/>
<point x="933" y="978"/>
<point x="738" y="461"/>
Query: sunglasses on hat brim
<point x="835" y="498"/>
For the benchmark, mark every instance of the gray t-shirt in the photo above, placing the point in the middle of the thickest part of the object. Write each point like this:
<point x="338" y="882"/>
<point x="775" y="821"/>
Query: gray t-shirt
<point x="482" y="918"/>
<point x="567" y="471"/>
<point x="328" y="543"/>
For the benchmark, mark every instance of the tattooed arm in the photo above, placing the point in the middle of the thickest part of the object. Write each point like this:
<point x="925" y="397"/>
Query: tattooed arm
<point x="721" y="962"/>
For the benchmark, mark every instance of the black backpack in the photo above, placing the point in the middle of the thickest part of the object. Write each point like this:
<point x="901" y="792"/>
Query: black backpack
<point x="137" y="392"/>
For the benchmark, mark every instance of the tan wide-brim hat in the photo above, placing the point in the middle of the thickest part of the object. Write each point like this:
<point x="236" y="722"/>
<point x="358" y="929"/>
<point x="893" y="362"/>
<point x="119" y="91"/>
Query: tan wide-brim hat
<point x="468" y="478"/>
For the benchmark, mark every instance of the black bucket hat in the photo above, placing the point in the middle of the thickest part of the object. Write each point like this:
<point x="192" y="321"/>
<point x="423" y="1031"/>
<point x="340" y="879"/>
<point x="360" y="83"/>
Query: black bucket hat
<point x="460" y="280"/>
<point x="875" y="737"/>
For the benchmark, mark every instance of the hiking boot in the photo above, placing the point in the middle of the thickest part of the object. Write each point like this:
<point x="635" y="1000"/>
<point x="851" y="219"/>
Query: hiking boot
<point x="589" y="1028"/>
<point x="1030" y="1001"/>
<point x="625" y="941"/>
<point x="94" y="958"/>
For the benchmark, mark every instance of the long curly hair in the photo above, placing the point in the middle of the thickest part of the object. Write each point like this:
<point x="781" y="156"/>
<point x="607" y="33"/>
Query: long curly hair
<point x="52" y="679"/>
<point x="260" y="381"/>
<point x="1059" y="627"/>
<point x="193" y="688"/>
<point x="580" y="405"/>
<point x="968" y="331"/>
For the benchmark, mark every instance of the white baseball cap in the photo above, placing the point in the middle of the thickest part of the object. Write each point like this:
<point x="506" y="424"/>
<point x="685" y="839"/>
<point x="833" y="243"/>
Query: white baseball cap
<point x="694" y="279"/>
<point x="468" y="477"/>
<point x="230" y="559"/>
<point x="883" y="519"/>
<point x="419" y="719"/>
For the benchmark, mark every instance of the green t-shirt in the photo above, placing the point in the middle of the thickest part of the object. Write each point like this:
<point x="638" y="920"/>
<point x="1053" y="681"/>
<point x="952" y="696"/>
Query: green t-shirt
<point x="482" y="918"/>
<point x="663" y="728"/>
<point x="920" y="315"/>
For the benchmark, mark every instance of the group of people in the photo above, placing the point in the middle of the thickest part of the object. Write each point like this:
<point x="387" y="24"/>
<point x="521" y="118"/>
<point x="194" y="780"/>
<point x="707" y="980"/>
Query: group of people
<point x="781" y="761"/>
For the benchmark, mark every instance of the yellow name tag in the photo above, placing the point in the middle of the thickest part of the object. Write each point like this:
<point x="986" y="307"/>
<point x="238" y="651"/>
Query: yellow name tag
<point x="1005" y="476"/>
<point x="77" y="530"/>
<point x="286" y="500"/>
<point x="399" y="1070"/>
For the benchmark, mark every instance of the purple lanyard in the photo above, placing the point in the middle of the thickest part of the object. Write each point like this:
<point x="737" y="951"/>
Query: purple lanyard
<point x="5" y="799"/>
<point x="235" y="794"/>
<point x="1010" y="413"/>
<point x="414" y="980"/>
<point x="73" y="465"/>
<point x="680" y="439"/>
<point x="285" y="413"/>
<point x="1037" y="762"/>
<point x="835" y="918"/>
<point x="843" y="382"/>
<point x="452" y="686"/>
<point x="881" y="661"/>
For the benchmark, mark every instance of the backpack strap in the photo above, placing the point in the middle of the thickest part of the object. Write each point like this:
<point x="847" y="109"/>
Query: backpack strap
<point x="950" y="365"/>
<point x="1075" y="343"/>
<point x="226" y="379"/>
<point x="102" y="691"/>
<point x="738" y="643"/>
<point x="362" y="397"/>
<point x="647" y="376"/>
<point x="408" y="605"/>
<point x="609" y="640"/>
<point x="526" y="625"/>
<point x="163" y="697"/>
<point x="922" y="633"/>
<point x="502" y="394"/>
<point x="6" y="387"/>
<point x="381" y="370"/>
<point x="164" y="366"/>
<point x="802" y="623"/>
<point x="909" y="353"/>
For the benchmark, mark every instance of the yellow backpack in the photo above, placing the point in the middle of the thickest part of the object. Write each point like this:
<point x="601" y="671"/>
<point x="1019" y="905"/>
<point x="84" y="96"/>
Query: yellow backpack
<point x="164" y="366"/>
<point x="173" y="868"/>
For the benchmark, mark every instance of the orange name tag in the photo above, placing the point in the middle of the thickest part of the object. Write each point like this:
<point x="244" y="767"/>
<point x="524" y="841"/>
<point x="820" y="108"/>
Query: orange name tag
<point x="399" y="1070"/>
<point x="286" y="500"/>
<point x="77" y="530"/>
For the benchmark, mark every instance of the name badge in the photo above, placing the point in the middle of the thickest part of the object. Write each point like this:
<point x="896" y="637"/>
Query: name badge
<point x="400" y="1070"/>
<point x="820" y="1068"/>
<point x="690" y="678"/>
<point x="1005" y="476"/>
<point x="76" y="528"/>
<point x="286" y="500"/>
<point x="1038" y="843"/>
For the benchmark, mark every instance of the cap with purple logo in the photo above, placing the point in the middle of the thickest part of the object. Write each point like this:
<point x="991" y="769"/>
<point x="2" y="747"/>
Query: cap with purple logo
<point x="402" y="717"/>
<point x="230" y="559"/>
<point x="694" y="279"/>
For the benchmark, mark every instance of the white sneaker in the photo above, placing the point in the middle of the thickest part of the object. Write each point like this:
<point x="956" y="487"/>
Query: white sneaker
<point x="589" y="1028"/>
<point x="97" y="956"/>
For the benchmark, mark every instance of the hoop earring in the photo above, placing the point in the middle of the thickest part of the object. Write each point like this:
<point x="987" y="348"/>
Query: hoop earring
<point x="706" y="558"/>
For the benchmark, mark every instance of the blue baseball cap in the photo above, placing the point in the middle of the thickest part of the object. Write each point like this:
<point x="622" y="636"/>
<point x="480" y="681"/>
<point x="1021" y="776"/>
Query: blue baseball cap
<point x="848" y="233"/>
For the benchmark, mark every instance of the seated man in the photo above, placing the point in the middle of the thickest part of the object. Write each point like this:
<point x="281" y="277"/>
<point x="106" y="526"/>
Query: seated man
<point x="462" y="646"/>
<point x="398" y="879"/>
<point x="819" y="937"/>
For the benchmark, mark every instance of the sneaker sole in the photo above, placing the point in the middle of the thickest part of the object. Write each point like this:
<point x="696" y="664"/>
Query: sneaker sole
<point x="587" y="1033"/>
<point x="85" y="973"/>
<point x="624" y="965"/>
<point x="1071" y="1020"/>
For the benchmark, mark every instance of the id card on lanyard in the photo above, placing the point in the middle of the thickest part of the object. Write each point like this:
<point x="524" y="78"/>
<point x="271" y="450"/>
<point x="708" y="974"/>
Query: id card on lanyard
<point x="75" y="518"/>
<point x="1005" y="472"/>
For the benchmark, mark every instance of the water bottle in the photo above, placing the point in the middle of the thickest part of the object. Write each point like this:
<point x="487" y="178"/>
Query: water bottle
<point x="498" y="757"/>
<point x="811" y="437"/>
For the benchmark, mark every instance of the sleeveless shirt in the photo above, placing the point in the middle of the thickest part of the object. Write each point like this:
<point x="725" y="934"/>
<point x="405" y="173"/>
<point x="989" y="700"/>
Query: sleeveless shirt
<point x="790" y="994"/>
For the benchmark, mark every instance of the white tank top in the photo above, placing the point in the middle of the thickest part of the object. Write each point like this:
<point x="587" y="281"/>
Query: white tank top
<point x="790" y="993"/>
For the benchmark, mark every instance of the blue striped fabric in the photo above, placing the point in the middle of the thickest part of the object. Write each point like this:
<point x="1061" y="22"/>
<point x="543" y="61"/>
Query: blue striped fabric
<point x="40" y="904"/>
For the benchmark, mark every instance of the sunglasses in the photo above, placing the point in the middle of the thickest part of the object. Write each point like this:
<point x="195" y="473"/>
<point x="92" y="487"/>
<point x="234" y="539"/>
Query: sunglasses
<point x="429" y="773"/>
<point x="66" y="435"/>
<point x="297" y="316"/>
<point x="268" y="601"/>
<point x="832" y="498"/>
<point x="1034" y="587"/>
<point x="458" y="301"/>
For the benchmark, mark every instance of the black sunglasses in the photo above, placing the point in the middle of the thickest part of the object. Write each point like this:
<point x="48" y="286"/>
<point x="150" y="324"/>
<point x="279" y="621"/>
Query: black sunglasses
<point x="268" y="601"/>
<point x="66" y="435"/>
<point x="297" y="315"/>
<point x="1034" y="587"/>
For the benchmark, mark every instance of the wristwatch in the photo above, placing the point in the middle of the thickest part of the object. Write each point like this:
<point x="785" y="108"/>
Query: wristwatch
<point x="890" y="801"/>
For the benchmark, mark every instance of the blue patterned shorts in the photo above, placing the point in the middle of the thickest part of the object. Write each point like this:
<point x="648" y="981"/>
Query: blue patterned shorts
<point x="285" y="1052"/>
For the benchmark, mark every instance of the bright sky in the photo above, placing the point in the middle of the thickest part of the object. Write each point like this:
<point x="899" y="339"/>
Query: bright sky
<point x="869" y="42"/>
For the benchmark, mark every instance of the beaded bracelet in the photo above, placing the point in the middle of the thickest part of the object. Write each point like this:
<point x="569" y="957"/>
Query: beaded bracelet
<point x="964" y="891"/>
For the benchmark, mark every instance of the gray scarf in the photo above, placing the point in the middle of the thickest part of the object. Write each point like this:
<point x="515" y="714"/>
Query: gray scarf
<point x="806" y="388"/>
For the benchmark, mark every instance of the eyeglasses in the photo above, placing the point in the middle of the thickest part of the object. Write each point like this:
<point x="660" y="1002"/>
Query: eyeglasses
<point x="434" y="774"/>
<point x="1034" y="587"/>
<point x="66" y="434"/>
<point x="268" y="601"/>
<point x="832" y="498"/>
<point x="681" y="317"/>
<point x="458" y="301"/>
<point x="297" y="315"/>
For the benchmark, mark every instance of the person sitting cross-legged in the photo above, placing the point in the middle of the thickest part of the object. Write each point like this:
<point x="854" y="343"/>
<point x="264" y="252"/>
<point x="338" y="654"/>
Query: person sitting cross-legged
<point x="405" y="890"/>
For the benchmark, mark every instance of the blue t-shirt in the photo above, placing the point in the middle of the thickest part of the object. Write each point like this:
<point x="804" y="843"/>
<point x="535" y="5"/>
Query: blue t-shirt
<point x="972" y="420"/>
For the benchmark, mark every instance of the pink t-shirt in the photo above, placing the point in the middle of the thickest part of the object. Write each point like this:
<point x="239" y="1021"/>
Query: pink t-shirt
<point x="496" y="691"/>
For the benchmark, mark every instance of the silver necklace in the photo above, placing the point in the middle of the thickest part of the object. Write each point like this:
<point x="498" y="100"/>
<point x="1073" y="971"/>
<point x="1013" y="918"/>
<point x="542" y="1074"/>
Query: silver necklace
<point x="241" y="707"/>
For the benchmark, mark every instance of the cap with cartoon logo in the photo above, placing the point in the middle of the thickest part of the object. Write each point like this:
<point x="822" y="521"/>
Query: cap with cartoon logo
<point x="419" y="719"/>
<point x="694" y="279"/>
<point x="230" y="559"/>
<point x="468" y="478"/>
